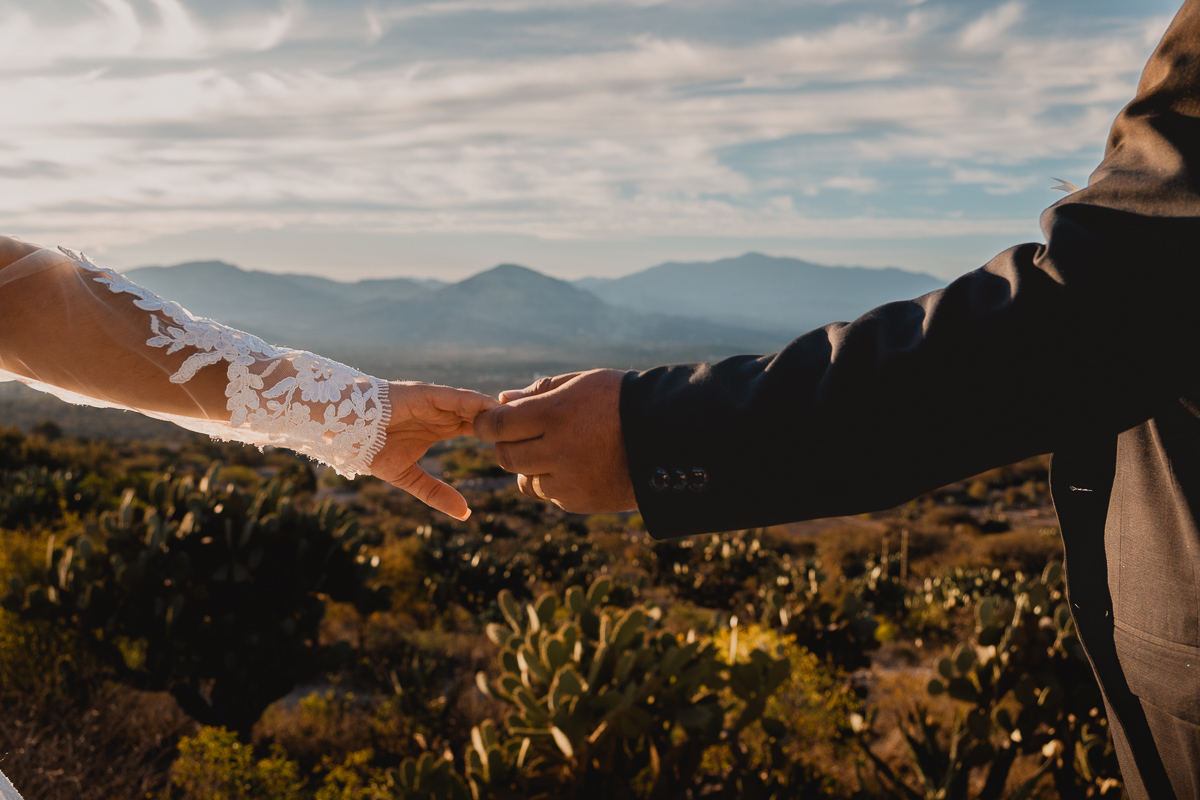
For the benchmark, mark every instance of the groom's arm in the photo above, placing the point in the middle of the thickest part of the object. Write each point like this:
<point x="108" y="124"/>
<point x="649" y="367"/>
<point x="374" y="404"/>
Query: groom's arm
<point x="1093" y="331"/>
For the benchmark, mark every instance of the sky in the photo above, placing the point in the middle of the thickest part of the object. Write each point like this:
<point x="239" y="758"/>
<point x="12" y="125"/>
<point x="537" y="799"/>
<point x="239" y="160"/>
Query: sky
<point x="364" y="138"/>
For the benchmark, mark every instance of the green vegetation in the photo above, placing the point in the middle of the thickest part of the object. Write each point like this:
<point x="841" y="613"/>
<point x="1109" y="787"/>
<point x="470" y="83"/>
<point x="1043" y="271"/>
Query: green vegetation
<point x="193" y="621"/>
<point x="208" y="592"/>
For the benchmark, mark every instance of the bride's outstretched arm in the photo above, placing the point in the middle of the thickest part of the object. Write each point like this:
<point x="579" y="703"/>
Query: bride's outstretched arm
<point x="93" y="337"/>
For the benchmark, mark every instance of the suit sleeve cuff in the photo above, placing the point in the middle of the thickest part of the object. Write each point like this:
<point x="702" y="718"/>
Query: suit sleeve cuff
<point x="672" y="461"/>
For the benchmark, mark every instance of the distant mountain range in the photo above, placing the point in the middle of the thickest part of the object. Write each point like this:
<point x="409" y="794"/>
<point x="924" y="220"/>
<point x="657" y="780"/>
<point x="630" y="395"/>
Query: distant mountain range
<point x="780" y="295"/>
<point x="754" y="302"/>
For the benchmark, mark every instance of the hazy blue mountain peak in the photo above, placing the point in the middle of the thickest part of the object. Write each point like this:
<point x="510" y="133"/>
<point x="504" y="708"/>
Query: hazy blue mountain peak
<point x="773" y="293"/>
<point x="510" y="274"/>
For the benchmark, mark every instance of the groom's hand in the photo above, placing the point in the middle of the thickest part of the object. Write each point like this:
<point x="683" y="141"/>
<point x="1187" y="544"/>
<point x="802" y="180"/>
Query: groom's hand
<point x="563" y="436"/>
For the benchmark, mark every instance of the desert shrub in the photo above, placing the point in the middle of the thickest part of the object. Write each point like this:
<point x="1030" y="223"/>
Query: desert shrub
<point x="843" y="550"/>
<point x="718" y="571"/>
<point x="606" y="523"/>
<point x="81" y="455"/>
<point x="749" y="574"/>
<point x="961" y="588"/>
<point x="565" y="557"/>
<point x="214" y="765"/>
<point x="43" y="662"/>
<point x="817" y="702"/>
<point x="356" y="778"/>
<point x="322" y="725"/>
<point x="1026" y="550"/>
<point x="471" y="461"/>
<point x="330" y="726"/>
<point x="471" y="568"/>
<point x="425" y="778"/>
<point x="462" y="568"/>
<point x="223" y="591"/>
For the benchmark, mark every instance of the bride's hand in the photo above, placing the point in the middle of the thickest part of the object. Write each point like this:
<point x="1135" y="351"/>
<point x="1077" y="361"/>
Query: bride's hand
<point x="423" y="414"/>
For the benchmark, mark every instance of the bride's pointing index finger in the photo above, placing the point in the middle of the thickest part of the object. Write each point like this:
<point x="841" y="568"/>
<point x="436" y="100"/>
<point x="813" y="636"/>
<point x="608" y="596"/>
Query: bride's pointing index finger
<point x="434" y="493"/>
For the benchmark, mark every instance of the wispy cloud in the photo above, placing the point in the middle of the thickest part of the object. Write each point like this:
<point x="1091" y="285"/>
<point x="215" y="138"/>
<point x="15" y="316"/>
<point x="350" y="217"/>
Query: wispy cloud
<point x="118" y="31"/>
<point x="381" y="19"/>
<point x="990" y="28"/>
<point x="148" y="118"/>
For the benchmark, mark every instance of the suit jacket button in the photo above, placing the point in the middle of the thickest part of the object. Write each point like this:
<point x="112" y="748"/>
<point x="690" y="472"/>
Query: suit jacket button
<point x="698" y="479"/>
<point x="659" y="480"/>
<point x="679" y="480"/>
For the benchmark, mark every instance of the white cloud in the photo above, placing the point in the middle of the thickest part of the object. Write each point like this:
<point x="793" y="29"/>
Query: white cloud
<point x="147" y="120"/>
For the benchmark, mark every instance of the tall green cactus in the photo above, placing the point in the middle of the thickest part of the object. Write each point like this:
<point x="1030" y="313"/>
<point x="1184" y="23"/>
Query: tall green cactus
<point x="223" y="590"/>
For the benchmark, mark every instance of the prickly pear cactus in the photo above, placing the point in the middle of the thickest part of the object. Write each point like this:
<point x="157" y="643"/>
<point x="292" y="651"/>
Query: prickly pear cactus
<point x="600" y="698"/>
<point x="1026" y="688"/>
<point x="429" y="778"/>
<point x="35" y="495"/>
<point x="842" y="633"/>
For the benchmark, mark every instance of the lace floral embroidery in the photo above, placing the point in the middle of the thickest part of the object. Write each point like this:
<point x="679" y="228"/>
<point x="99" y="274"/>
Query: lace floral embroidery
<point x="324" y="409"/>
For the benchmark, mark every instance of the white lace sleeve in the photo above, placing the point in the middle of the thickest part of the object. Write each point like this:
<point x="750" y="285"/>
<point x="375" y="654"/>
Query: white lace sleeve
<point x="105" y="341"/>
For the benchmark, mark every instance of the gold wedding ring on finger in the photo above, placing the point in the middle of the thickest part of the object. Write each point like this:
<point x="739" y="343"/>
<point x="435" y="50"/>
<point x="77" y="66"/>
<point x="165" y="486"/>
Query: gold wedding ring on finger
<point x="536" y="484"/>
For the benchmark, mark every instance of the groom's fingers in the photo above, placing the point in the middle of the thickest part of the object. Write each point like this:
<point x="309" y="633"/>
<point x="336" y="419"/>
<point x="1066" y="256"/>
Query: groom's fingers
<point x="529" y="457"/>
<point x="515" y="422"/>
<point x="537" y="387"/>
<point x="540" y="386"/>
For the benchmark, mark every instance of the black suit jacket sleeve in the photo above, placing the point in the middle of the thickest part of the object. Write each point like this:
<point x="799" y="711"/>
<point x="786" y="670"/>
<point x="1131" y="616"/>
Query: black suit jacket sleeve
<point x="1090" y="332"/>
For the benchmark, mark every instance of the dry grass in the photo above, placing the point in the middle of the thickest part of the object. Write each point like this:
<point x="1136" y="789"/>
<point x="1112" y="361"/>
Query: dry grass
<point x="120" y="745"/>
<point x="1024" y="549"/>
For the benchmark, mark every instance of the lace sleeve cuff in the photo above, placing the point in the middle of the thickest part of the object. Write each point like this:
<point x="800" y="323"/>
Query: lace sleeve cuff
<point x="275" y="396"/>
